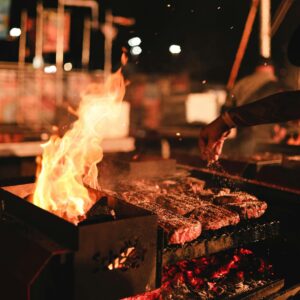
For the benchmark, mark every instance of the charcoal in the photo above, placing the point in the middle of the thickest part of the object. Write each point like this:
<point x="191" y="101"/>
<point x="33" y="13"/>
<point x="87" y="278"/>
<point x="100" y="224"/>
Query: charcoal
<point x="100" y="211"/>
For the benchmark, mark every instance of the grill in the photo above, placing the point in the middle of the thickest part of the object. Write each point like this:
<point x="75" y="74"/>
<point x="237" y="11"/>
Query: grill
<point x="272" y="235"/>
<point x="213" y="242"/>
<point x="59" y="260"/>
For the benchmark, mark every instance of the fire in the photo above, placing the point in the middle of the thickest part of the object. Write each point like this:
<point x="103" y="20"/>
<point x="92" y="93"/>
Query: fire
<point x="219" y="276"/>
<point x="212" y="276"/>
<point x="224" y="270"/>
<point x="69" y="163"/>
<point x="119" y="262"/>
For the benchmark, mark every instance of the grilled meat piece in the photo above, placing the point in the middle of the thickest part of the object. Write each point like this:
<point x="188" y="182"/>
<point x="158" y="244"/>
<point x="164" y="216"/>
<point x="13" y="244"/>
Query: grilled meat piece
<point x="248" y="210"/>
<point x="213" y="217"/>
<point x="178" y="228"/>
<point x="180" y="204"/>
<point x="235" y="197"/>
<point x="188" y="185"/>
<point x="246" y="205"/>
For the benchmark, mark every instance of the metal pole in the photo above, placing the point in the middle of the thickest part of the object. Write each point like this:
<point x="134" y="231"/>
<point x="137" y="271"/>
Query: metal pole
<point x="280" y="14"/>
<point x="93" y="5"/>
<point x="60" y="52"/>
<point x="108" y="44"/>
<point x="21" y="64"/>
<point x="38" y="59"/>
<point x="265" y="28"/>
<point x="85" y="58"/>
<point x="60" y="36"/>
<point x="22" y="40"/>
<point x="243" y="44"/>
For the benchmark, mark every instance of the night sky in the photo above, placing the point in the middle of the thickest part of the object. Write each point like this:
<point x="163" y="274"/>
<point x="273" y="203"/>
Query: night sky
<point x="208" y="32"/>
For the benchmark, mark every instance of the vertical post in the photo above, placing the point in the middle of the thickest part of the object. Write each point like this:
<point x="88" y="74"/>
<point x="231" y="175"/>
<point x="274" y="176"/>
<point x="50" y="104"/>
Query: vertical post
<point x="60" y="52"/>
<point x="22" y="40"/>
<point x="60" y="36"/>
<point x="280" y="14"/>
<point x="38" y="59"/>
<point x="108" y="43"/>
<point x="265" y="28"/>
<point x="243" y="44"/>
<point x="21" y="64"/>
<point x="38" y="62"/>
<point x="86" y="40"/>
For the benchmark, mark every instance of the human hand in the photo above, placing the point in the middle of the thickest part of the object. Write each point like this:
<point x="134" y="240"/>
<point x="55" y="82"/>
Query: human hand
<point x="211" y="140"/>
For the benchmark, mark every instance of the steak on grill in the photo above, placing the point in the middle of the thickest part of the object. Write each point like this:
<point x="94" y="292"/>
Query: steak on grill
<point x="188" y="186"/>
<point x="180" y="204"/>
<point x="213" y="217"/>
<point x="178" y="228"/>
<point x="234" y="197"/>
<point x="246" y="205"/>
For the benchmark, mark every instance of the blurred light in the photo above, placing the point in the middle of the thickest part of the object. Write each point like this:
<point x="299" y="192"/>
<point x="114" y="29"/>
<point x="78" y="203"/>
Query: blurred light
<point x="204" y="81"/>
<point x="219" y="7"/>
<point x="38" y="62"/>
<point x="175" y="49"/>
<point x="50" y="69"/>
<point x="44" y="136"/>
<point x="136" y="50"/>
<point x="68" y="66"/>
<point x="168" y="5"/>
<point x="15" y="32"/>
<point x="135" y="41"/>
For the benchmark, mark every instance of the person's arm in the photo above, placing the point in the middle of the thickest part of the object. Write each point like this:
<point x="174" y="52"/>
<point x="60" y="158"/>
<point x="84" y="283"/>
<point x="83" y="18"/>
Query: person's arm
<point x="279" y="107"/>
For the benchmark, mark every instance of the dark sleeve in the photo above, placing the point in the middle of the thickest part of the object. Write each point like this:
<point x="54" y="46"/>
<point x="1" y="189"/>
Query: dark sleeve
<point x="276" y="108"/>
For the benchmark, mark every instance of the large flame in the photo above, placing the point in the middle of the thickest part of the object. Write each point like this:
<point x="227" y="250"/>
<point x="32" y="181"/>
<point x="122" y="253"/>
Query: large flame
<point x="69" y="163"/>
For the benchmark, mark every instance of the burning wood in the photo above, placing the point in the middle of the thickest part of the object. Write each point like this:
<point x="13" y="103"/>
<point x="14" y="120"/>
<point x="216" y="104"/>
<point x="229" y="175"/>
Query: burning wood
<point x="120" y="262"/>
<point x="220" y="276"/>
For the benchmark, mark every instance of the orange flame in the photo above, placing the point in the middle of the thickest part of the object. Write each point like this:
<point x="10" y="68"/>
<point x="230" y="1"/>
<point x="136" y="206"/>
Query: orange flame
<point x="70" y="163"/>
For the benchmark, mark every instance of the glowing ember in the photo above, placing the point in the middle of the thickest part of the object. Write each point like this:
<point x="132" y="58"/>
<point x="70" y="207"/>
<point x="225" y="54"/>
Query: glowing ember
<point x="239" y="271"/>
<point x="217" y="276"/>
<point x="69" y="163"/>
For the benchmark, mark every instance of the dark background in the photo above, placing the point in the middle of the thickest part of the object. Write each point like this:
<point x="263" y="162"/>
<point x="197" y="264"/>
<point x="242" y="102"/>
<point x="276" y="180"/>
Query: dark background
<point x="208" y="31"/>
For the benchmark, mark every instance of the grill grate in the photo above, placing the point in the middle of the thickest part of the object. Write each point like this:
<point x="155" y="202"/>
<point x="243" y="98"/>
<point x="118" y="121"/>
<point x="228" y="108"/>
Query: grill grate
<point x="215" y="241"/>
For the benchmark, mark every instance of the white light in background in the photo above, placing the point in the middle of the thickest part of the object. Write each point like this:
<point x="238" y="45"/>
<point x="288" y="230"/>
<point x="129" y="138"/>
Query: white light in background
<point x="135" y="41"/>
<point x="15" y="32"/>
<point x="175" y="49"/>
<point x="136" y="50"/>
<point x="68" y="66"/>
<point x="38" y="62"/>
<point x="50" y="69"/>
